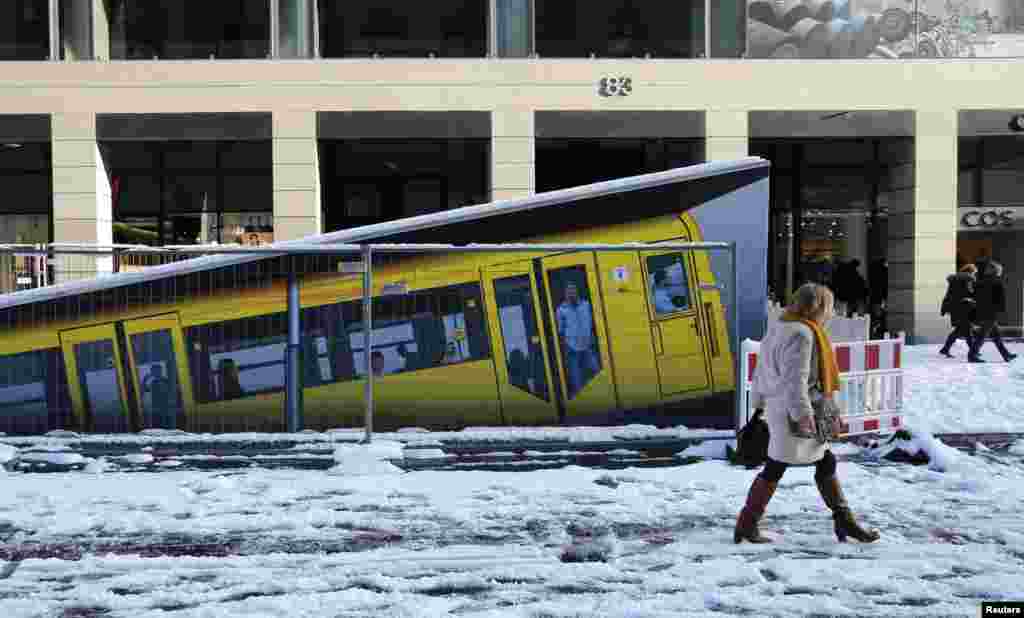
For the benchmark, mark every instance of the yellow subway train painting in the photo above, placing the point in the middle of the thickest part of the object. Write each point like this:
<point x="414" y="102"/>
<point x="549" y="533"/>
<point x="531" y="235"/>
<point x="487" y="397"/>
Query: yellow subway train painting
<point x="459" y="339"/>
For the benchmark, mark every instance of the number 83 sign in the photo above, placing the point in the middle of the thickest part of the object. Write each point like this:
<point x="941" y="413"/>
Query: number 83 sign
<point x="615" y="86"/>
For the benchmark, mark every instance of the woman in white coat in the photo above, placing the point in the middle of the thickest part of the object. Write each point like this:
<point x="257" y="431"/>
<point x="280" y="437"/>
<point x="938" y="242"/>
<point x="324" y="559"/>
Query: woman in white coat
<point x="795" y="367"/>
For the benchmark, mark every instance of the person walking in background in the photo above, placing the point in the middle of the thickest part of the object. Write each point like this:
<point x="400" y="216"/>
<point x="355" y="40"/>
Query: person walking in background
<point x="851" y="289"/>
<point x="959" y="304"/>
<point x="797" y="370"/>
<point x="990" y="297"/>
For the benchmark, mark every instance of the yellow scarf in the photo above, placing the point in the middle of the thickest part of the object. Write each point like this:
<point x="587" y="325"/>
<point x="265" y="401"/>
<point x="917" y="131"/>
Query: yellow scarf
<point x="828" y="370"/>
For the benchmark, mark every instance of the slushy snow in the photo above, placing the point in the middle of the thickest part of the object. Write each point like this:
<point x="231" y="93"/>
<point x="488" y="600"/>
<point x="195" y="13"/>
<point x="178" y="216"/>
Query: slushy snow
<point x="363" y="539"/>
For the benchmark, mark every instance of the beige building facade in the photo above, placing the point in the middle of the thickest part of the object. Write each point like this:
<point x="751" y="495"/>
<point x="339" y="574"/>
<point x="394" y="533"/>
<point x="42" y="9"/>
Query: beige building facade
<point x="729" y="97"/>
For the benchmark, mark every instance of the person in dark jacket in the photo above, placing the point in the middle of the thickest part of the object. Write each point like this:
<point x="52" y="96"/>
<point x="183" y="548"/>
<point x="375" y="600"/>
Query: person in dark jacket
<point x="959" y="304"/>
<point x="850" y="287"/>
<point x="991" y="301"/>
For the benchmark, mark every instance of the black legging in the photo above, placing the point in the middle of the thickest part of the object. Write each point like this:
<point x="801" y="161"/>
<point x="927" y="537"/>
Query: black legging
<point x="824" y="469"/>
<point x="961" y="330"/>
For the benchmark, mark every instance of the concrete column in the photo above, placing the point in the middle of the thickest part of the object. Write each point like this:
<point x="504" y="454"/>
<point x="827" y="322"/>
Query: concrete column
<point x="512" y="154"/>
<point x="81" y="195"/>
<point x="727" y="135"/>
<point x="296" y="176"/>
<point x="922" y="238"/>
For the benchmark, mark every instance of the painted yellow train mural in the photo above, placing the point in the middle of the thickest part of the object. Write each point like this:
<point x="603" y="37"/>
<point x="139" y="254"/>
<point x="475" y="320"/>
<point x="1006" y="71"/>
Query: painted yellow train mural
<point x="458" y="339"/>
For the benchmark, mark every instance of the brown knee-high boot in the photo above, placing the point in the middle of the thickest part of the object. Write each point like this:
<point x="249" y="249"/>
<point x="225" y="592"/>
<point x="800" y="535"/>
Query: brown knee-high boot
<point x="845" y="524"/>
<point x="761" y="492"/>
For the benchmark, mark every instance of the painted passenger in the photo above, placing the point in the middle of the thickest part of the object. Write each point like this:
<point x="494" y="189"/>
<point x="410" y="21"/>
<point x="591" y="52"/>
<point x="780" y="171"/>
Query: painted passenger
<point x="663" y="302"/>
<point x="162" y="400"/>
<point x="230" y="384"/>
<point x="576" y="329"/>
<point x="377" y="362"/>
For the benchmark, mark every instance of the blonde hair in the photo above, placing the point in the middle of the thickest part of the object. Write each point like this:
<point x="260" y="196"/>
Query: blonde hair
<point x="812" y="301"/>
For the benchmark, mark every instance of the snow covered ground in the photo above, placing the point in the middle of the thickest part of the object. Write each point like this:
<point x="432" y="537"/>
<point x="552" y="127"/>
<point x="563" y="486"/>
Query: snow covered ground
<point x="364" y="539"/>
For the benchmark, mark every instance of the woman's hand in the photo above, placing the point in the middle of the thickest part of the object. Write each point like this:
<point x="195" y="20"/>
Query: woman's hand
<point x="806" y="424"/>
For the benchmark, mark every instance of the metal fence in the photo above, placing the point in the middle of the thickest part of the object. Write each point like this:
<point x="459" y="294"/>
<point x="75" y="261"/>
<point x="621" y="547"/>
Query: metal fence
<point x="287" y="268"/>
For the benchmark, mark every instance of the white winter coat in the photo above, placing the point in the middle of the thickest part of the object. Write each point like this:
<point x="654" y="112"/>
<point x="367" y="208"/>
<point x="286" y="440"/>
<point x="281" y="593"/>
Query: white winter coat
<point x="786" y="373"/>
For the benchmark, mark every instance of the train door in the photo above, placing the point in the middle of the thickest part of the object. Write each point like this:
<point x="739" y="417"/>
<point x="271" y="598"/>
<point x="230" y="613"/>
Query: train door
<point x="520" y="349"/>
<point x="676" y="327"/>
<point x="99" y="393"/>
<point x="578" y="330"/>
<point x="709" y="295"/>
<point x="161" y="385"/>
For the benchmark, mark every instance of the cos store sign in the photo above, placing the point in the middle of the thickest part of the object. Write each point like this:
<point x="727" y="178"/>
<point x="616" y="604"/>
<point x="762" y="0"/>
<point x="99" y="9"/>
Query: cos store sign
<point x="991" y="219"/>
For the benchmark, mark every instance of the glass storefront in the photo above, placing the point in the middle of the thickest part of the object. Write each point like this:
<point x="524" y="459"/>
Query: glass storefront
<point x="27" y="177"/>
<point x="179" y="193"/>
<point x="574" y="148"/>
<point x="991" y="213"/>
<point x="570" y="162"/>
<point x="831" y="205"/>
<point x="374" y="180"/>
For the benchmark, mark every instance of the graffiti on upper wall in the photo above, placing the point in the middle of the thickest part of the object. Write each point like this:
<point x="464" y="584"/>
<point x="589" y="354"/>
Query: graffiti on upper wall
<point x="887" y="29"/>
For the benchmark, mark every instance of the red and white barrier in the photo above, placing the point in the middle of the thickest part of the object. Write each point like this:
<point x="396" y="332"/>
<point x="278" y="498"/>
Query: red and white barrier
<point x="870" y="397"/>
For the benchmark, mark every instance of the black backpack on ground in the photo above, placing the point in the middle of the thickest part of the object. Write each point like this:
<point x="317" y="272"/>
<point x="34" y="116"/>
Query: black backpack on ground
<point x="752" y="442"/>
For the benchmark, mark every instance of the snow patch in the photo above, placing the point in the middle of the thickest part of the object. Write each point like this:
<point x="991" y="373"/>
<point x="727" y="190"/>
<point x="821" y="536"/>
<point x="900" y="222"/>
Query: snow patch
<point x="137" y="458"/>
<point x="709" y="449"/>
<point x="7" y="453"/>
<point x="367" y="459"/>
<point x="55" y="458"/>
<point x="915" y="442"/>
<point x="97" y="466"/>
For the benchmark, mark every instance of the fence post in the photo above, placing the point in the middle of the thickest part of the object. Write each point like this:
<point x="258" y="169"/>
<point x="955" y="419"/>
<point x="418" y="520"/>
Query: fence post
<point x="294" y="410"/>
<point x="737" y="347"/>
<point x="367" y="337"/>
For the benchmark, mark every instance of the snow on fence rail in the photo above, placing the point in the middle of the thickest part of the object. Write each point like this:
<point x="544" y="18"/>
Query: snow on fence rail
<point x="871" y="384"/>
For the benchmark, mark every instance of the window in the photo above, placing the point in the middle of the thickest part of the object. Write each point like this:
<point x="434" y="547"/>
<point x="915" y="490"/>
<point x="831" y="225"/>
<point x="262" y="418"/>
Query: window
<point x="422" y="330"/>
<point x="189" y="29"/>
<point x="33" y="392"/>
<point x="414" y="331"/>
<point x="239" y="358"/>
<point x="620" y="29"/>
<point x="667" y="283"/>
<point x="524" y="356"/>
<point x="24" y="30"/>
<point x="397" y="28"/>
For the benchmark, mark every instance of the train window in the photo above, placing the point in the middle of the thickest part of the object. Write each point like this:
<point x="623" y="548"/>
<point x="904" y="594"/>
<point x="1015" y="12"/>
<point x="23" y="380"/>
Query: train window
<point x="239" y="358"/>
<point x="523" y="353"/>
<point x="157" y="373"/>
<point x="667" y="284"/>
<point x="34" y="394"/>
<point x="575" y="322"/>
<point x="327" y="354"/>
<point x="421" y="330"/>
